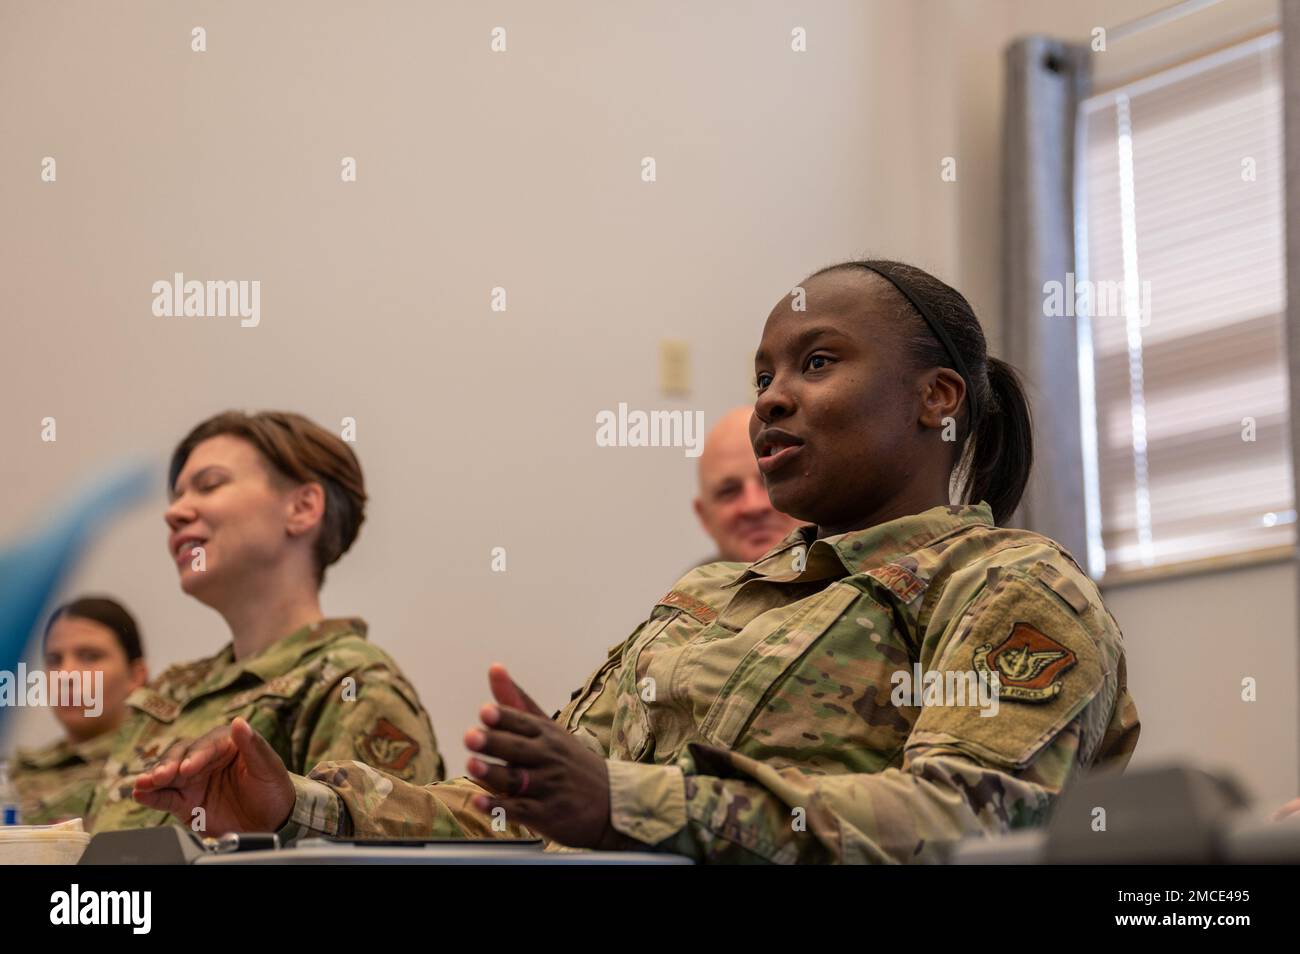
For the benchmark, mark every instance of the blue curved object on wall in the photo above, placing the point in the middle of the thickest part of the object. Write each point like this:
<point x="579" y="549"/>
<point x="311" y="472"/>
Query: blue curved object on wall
<point x="33" y="568"/>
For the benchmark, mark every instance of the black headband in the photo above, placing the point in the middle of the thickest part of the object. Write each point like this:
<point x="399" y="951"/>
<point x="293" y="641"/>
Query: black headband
<point x="939" y="332"/>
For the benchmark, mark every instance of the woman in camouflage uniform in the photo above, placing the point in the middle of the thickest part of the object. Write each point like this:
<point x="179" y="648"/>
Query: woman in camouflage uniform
<point x="903" y="674"/>
<point x="91" y="634"/>
<point x="260" y="505"/>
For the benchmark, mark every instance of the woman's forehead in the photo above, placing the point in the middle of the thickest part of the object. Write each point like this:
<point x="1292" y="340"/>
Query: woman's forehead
<point x="227" y="452"/>
<point x="852" y="290"/>
<point x="831" y="303"/>
<point x="225" y="449"/>
<point x="78" y="630"/>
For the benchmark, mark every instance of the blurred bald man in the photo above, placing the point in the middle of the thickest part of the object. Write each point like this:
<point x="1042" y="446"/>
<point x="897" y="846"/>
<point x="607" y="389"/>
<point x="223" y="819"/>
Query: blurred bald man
<point x="732" y="505"/>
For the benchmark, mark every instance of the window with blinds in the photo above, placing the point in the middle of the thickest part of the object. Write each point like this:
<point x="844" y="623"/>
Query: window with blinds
<point x="1180" y="293"/>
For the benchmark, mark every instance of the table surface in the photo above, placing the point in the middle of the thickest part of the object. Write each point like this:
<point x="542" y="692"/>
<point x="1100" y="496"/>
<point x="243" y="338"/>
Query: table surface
<point x="317" y="851"/>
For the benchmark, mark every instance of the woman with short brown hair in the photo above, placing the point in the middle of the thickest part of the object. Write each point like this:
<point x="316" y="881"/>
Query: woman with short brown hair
<point x="261" y="504"/>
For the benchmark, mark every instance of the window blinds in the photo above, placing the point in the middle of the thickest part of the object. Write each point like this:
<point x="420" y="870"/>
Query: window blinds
<point x="1180" y="294"/>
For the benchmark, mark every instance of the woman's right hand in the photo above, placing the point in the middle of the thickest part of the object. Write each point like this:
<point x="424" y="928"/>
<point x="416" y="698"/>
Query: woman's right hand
<point x="232" y="774"/>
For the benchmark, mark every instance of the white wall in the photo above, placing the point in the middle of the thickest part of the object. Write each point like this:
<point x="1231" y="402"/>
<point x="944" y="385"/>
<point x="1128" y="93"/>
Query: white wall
<point x="1191" y="641"/>
<point x="476" y="429"/>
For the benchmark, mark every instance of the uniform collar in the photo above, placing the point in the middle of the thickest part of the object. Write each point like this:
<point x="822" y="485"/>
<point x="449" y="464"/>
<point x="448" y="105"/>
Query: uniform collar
<point x="66" y="751"/>
<point x="864" y="550"/>
<point x="97" y="748"/>
<point x="860" y="551"/>
<point x="283" y="654"/>
<point x="180" y="686"/>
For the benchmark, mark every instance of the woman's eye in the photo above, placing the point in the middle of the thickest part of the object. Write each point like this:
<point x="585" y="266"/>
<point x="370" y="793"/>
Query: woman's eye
<point x="763" y="380"/>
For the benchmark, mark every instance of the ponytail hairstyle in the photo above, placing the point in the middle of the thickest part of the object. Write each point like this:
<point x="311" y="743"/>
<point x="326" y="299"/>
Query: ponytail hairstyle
<point x="993" y="460"/>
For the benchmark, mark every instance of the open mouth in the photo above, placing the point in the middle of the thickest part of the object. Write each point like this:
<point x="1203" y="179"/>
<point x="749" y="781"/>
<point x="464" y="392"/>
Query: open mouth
<point x="775" y="449"/>
<point x="185" y="547"/>
<point x="778" y="457"/>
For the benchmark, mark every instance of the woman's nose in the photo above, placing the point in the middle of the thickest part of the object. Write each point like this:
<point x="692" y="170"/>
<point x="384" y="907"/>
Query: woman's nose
<point x="178" y="514"/>
<point x="773" y="404"/>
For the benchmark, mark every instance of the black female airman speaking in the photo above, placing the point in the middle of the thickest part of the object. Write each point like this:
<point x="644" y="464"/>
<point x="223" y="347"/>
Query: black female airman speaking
<point x="902" y="674"/>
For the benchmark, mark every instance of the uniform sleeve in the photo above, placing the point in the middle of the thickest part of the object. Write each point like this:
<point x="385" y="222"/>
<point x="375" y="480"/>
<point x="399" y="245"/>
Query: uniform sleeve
<point x="374" y="716"/>
<point x="47" y="802"/>
<point x="965" y="770"/>
<point x="350" y="799"/>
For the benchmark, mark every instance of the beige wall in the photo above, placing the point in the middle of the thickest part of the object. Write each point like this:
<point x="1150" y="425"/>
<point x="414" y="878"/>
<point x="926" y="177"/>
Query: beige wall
<point x="520" y="170"/>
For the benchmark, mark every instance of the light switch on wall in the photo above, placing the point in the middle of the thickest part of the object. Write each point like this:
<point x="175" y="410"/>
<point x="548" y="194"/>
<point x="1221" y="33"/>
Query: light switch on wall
<point x="674" y="367"/>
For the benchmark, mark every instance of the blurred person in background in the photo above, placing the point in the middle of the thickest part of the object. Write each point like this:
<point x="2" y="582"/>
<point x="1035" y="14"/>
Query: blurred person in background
<point x="92" y="634"/>
<point x="732" y="504"/>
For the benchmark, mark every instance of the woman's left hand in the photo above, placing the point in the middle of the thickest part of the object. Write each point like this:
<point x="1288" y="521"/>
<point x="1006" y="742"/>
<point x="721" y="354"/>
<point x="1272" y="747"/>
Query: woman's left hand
<point x="549" y="782"/>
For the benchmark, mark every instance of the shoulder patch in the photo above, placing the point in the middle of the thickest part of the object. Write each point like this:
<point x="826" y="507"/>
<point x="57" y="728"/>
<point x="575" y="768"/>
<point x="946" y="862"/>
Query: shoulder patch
<point x="1027" y="664"/>
<point x="1049" y="666"/>
<point x="387" y="747"/>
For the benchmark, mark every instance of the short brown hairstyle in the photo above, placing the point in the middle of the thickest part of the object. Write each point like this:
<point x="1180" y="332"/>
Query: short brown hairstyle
<point x="302" y="451"/>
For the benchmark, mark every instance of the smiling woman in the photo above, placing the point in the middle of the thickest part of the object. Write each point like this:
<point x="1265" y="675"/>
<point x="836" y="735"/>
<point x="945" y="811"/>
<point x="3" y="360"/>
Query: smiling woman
<point x="260" y="505"/>
<point x="751" y="716"/>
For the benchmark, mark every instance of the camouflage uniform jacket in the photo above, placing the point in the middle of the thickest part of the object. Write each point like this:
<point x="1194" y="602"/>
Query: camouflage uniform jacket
<point x="55" y="783"/>
<point x="759" y="714"/>
<point x="323" y="692"/>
